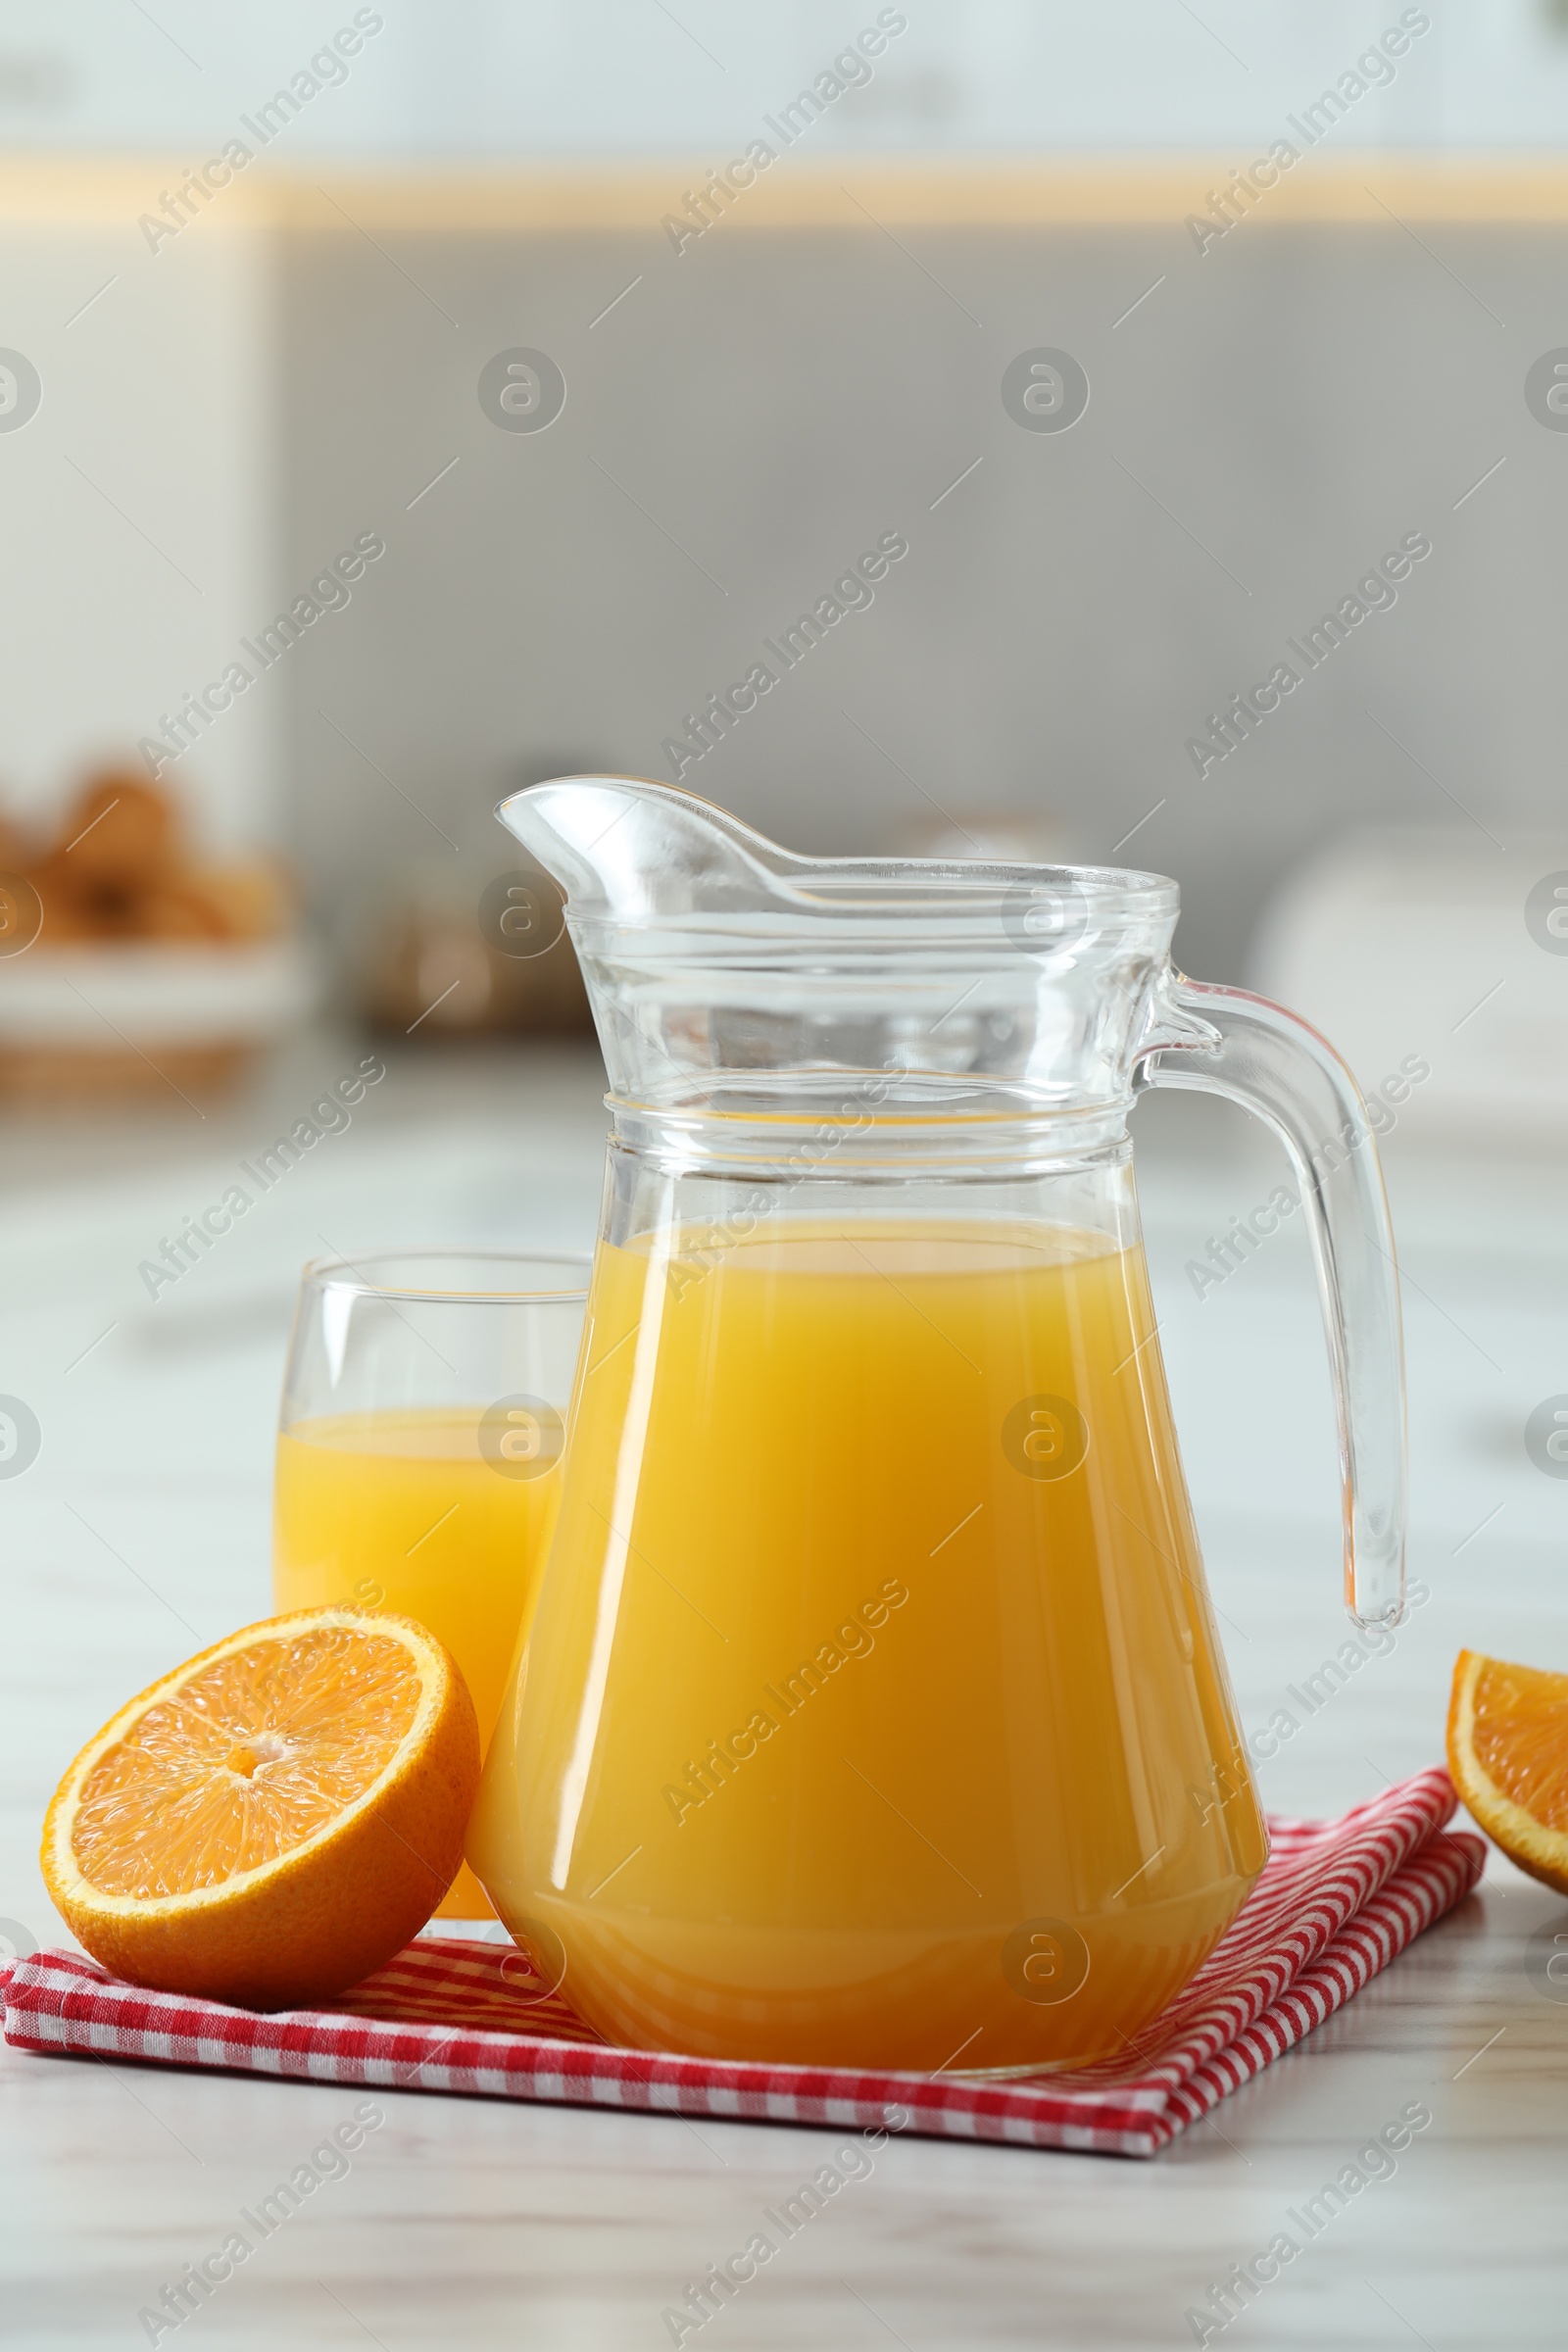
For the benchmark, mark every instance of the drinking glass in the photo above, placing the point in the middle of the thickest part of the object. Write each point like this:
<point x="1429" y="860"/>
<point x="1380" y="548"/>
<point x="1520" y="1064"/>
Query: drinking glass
<point x="420" y="1451"/>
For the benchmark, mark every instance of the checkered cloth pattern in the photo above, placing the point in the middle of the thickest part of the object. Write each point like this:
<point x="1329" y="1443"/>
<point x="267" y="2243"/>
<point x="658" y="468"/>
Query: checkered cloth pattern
<point x="1337" y="1901"/>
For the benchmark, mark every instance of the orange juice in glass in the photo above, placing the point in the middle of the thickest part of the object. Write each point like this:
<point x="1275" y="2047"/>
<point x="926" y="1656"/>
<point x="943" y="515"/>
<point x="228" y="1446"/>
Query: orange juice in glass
<point x="419" y="1456"/>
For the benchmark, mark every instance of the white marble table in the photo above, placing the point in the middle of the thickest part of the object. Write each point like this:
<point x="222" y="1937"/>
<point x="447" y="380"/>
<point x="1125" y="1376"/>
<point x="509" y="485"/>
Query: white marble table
<point x="141" y="1532"/>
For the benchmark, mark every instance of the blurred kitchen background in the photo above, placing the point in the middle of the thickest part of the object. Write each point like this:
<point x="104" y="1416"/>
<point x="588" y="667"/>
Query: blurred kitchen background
<point x="273" y="385"/>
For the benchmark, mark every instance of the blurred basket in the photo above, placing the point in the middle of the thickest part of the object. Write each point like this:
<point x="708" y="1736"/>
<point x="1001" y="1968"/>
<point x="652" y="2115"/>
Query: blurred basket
<point x="132" y="968"/>
<point x="127" y="1022"/>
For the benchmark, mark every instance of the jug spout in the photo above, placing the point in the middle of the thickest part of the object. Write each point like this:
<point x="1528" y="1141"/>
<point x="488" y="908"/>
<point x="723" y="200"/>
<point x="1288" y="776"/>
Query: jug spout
<point x="637" y="853"/>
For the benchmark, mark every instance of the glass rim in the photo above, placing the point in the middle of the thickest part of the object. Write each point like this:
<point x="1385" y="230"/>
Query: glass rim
<point x="357" y="1274"/>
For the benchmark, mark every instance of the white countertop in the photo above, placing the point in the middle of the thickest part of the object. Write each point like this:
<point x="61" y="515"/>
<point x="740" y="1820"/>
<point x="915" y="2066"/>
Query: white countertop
<point x="142" y="1532"/>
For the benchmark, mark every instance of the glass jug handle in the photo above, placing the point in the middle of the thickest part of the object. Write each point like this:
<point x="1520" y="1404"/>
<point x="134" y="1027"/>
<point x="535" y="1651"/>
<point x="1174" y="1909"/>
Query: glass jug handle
<point x="1222" y="1041"/>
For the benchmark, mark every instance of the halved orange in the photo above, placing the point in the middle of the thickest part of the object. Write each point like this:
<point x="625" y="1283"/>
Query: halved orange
<point x="1508" y="1755"/>
<point x="275" y="1819"/>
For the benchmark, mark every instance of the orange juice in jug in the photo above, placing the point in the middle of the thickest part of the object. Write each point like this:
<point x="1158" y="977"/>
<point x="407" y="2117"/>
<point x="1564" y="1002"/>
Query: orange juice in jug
<point x="873" y="1707"/>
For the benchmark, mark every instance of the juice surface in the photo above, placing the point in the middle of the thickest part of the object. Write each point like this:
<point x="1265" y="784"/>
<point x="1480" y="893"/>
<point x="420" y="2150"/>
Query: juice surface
<point x="872" y="1713"/>
<point x="401" y="1510"/>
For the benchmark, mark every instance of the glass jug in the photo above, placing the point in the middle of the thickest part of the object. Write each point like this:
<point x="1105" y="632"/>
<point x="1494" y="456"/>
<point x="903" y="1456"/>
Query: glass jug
<point x="872" y="1713"/>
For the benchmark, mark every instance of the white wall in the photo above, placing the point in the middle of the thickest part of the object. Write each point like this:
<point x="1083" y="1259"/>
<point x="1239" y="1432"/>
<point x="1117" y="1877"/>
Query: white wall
<point x="140" y="505"/>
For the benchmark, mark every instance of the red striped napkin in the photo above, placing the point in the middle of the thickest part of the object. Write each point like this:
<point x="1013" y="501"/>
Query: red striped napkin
<point x="1335" y="1903"/>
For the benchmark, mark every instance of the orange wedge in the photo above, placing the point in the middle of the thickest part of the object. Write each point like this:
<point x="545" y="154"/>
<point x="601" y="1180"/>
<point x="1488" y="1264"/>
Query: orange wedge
<point x="273" y="1820"/>
<point x="1508" y="1755"/>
